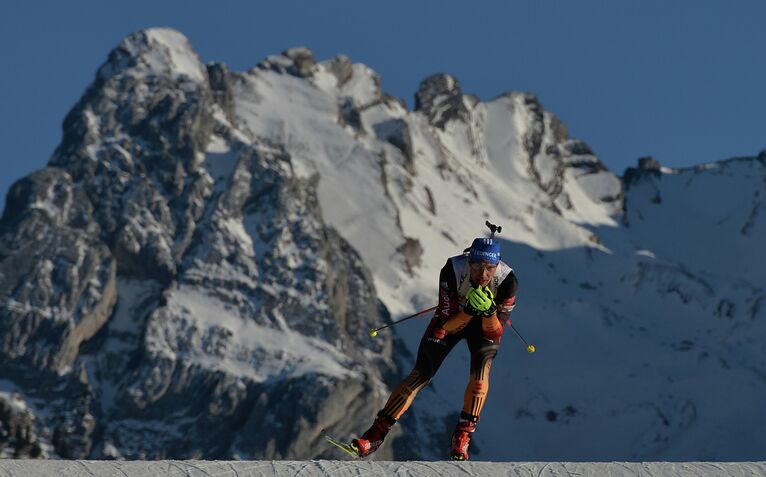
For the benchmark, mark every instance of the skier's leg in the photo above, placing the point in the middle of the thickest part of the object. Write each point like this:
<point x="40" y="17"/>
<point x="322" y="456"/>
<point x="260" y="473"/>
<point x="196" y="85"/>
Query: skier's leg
<point x="482" y="351"/>
<point x="431" y="354"/>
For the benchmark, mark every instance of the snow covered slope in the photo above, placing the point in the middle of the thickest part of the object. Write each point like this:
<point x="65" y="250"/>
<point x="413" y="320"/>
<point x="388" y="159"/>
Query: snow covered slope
<point x="322" y="467"/>
<point x="211" y="248"/>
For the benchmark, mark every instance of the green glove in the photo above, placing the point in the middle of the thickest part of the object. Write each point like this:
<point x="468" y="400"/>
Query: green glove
<point x="479" y="301"/>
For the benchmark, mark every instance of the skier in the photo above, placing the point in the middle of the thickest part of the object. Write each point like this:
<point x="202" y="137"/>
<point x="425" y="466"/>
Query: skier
<point x="477" y="292"/>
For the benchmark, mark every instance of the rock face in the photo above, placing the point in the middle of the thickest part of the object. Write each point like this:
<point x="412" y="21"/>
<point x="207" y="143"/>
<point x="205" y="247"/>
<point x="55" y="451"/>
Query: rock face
<point x="194" y="274"/>
<point x="18" y="433"/>
<point x="440" y="99"/>
<point x="61" y="282"/>
<point x="98" y="250"/>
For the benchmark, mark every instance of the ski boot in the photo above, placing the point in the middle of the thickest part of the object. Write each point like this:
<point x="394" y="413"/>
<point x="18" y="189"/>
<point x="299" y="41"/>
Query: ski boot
<point x="461" y="438"/>
<point x="372" y="439"/>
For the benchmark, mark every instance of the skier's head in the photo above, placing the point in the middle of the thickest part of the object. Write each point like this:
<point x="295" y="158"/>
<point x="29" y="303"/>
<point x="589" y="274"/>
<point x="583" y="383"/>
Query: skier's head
<point x="485" y="250"/>
<point x="483" y="257"/>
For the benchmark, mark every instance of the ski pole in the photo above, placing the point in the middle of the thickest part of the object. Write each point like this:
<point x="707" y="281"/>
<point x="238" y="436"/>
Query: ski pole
<point x="530" y="348"/>
<point x="374" y="331"/>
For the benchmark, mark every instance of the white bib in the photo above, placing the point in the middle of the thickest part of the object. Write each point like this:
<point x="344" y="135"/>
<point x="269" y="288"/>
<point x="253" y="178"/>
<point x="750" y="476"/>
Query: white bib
<point x="462" y="269"/>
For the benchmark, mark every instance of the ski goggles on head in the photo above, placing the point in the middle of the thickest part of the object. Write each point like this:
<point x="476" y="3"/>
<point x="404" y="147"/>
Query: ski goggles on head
<point x="479" y="266"/>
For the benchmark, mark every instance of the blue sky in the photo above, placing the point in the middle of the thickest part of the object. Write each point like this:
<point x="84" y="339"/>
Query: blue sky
<point x="682" y="81"/>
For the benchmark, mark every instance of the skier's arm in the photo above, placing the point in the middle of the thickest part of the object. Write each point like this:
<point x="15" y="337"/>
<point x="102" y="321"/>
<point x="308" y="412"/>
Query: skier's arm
<point x="449" y="302"/>
<point x="449" y="317"/>
<point x="505" y="299"/>
<point x="493" y="322"/>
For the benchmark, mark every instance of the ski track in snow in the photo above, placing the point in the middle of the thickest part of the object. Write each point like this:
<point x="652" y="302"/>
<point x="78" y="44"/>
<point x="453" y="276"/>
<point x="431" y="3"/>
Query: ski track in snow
<point x="170" y="468"/>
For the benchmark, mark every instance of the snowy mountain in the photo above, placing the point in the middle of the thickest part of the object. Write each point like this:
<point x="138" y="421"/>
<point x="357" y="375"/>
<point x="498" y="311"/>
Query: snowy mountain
<point x="195" y="272"/>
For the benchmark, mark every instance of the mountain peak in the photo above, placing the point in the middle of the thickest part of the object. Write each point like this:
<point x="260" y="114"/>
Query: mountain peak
<point x="298" y="61"/>
<point x="440" y="98"/>
<point x="154" y="52"/>
<point x="647" y="167"/>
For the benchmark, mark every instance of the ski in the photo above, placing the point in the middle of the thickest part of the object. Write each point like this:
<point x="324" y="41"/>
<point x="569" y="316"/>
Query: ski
<point x="347" y="448"/>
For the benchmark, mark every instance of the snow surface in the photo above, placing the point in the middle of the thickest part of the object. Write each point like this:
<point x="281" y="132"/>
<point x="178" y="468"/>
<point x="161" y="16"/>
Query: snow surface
<point x="183" y="60"/>
<point x="171" y="468"/>
<point x="238" y="347"/>
<point x="163" y="52"/>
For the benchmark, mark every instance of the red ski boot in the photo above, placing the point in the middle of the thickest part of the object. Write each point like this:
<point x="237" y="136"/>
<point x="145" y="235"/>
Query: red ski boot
<point x="461" y="439"/>
<point x="373" y="437"/>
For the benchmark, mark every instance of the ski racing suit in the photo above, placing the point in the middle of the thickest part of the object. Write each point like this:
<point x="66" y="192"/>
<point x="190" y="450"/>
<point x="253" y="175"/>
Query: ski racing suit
<point x="448" y="326"/>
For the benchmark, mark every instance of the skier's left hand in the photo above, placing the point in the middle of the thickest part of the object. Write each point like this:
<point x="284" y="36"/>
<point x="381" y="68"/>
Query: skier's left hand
<point x="492" y="307"/>
<point x="480" y="301"/>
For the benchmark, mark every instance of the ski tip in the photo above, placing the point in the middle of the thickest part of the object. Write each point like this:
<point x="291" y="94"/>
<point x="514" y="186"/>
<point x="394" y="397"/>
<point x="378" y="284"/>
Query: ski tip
<point x="349" y="449"/>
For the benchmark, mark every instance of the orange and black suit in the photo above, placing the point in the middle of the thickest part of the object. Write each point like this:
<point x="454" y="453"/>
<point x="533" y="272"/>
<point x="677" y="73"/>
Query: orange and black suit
<point x="449" y="326"/>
